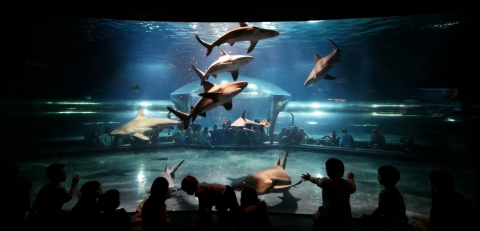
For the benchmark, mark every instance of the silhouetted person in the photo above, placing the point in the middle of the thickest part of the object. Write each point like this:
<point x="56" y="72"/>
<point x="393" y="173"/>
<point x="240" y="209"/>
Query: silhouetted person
<point x="295" y="135"/>
<point x="303" y="136"/>
<point x="390" y="212"/>
<point x="113" y="218"/>
<point x="336" y="212"/>
<point x="450" y="210"/>
<point x="154" y="211"/>
<point x="346" y="140"/>
<point x="46" y="211"/>
<point x="92" y="139"/>
<point x="106" y="139"/>
<point x="221" y="196"/>
<point x="332" y="137"/>
<point x="178" y="135"/>
<point x="253" y="212"/>
<point x="15" y="194"/>
<point x="377" y="140"/>
<point x="86" y="213"/>
<point x="242" y="137"/>
<point x="284" y="136"/>
<point x="205" y="136"/>
<point x="216" y="137"/>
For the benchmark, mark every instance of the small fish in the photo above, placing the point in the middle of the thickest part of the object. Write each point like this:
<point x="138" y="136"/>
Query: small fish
<point x="135" y="88"/>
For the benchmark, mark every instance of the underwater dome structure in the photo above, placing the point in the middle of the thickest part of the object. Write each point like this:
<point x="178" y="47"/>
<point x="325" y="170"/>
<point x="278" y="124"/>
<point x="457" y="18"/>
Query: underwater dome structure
<point x="259" y="94"/>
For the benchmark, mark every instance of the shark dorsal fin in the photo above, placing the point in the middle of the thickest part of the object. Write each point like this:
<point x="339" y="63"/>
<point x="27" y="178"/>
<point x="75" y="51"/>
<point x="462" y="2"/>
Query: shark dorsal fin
<point x="223" y="53"/>
<point x="242" y="24"/>
<point x="140" y="114"/>
<point x="207" y="86"/>
<point x="317" y="57"/>
<point x="284" y="160"/>
<point x="278" y="162"/>
<point x="243" y="115"/>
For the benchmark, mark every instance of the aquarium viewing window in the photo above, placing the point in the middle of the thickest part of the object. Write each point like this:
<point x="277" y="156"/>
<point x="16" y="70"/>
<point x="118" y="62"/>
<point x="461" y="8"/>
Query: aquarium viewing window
<point x="75" y="81"/>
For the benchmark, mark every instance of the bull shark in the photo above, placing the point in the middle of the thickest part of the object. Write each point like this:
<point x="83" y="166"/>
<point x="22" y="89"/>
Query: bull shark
<point x="271" y="180"/>
<point x="246" y="124"/>
<point x="169" y="174"/>
<point x="323" y="65"/>
<point x="212" y="97"/>
<point x="226" y="63"/>
<point x="142" y="125"/>
<point x="242" y="33"/>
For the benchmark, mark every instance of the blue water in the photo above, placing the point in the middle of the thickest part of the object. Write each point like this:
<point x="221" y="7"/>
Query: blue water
<point x="101" y="58"/>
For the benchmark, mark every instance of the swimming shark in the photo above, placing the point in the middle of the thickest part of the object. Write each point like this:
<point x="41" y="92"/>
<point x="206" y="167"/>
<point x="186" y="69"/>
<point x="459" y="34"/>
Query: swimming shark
<point x="242" y="33"/>
<point x="271" y="180"/>
<point x="169" y="174"/>
<point x="226" y="63"/>
<point x="212" y="97"/>
<point x="246" y="124"/>
<point x="323" y="65"/>
<point x="142" y="125"/>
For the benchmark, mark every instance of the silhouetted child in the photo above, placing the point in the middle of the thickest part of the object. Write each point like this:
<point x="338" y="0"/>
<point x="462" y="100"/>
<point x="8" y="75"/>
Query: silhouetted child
<point x="113" y="218"/>
<point x="450" y="210"/>
<point x="335" y="213"/>
<point x="390" y="213"/>
<point x="46" y="211"/>
<point x="253" y="212"/>
<point x="86" y="213"/>
<point x="137" y="224"/>
<point x="221" y="196"/>
<point x="15" y="194"/>
<point x="154" y="211"/>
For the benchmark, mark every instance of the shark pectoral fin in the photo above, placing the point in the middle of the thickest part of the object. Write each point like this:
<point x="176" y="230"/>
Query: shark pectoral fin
<point x="213" y="96"/>
<point x="252" y="45"/>
<point x="329" y="77"/>
<point x="317" y="57"/>
<point x="231" y="44"/>
<point x="215" y="76"/>
<point x="203" y="114"/>
<point x="228" y="105"/>
<point x="140" y="136"/>
<point x="299" y="182"/>
<point x="234" y="74"/>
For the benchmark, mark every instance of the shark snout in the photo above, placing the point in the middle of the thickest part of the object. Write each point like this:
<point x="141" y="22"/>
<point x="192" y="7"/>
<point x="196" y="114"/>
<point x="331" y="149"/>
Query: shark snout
<point x="242" y="84"/>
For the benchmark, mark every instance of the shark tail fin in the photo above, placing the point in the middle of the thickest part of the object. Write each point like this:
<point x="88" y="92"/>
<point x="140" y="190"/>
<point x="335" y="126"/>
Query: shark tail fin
<point x="200" y="74"/>
<point x="181" y="115"/>
<point x="334" y="44"/>
<point x="206" y="45"/>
